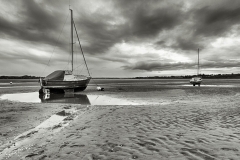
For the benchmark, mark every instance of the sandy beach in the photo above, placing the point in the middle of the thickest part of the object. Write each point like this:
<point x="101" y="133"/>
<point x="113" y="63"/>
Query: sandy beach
<point x="171" y="120"/>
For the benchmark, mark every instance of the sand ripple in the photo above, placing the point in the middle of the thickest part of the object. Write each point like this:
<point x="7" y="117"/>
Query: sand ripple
<point x="144" y="132"/>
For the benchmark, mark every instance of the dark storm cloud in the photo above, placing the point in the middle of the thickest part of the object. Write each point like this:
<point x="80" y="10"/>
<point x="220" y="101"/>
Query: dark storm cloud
<point x="158" y="66"/>
<point x="145" y="20"/>
<point x="144" y="24"/>
<point x="39" y="17"/>
<point x="141" y="21"/>
<point x="187" y="44"/>
<point x="182" y="43"/>
<point x="207" y="21"/>
<point x="34" y="24"/>
<point x="99" y="34"/>
<point x="216" y="21"/>
<point x="222" y="64"/>
<point x="6" y="27"/>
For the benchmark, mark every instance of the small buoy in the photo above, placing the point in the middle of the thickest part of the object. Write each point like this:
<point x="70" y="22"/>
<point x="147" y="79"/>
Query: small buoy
<point x="10" y="82"/>
<point x="100" y="89"/>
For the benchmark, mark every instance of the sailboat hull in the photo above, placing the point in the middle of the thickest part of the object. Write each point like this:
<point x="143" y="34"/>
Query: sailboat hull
<point x="58" y="86"/>
<point x="196" y="81"/>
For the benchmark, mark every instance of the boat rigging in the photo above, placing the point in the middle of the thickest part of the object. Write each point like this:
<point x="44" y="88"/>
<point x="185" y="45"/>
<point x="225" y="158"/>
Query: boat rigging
<point x="197" y="80"/>
<point x="66" y="80"/>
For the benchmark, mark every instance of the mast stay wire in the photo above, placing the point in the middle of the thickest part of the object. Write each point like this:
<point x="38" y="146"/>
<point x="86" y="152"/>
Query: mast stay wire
<point x="82" y="51"/>
<point x="55" y="46"/>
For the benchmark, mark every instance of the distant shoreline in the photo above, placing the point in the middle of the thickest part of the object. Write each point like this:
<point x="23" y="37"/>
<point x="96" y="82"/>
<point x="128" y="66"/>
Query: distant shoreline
<point x="218" y="76"/>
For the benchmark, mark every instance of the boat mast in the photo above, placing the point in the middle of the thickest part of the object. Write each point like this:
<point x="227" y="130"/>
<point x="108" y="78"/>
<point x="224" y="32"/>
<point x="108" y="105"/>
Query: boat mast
<point x="198" y="63"/>
<point x="72" y="36"/>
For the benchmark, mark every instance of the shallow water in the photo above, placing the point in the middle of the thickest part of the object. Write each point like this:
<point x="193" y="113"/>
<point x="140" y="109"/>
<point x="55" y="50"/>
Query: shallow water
<point x="19" y="87"/>
<point x="83" y="99"/>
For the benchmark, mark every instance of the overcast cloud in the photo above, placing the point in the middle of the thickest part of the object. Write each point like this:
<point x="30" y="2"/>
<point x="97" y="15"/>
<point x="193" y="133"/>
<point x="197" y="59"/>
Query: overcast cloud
<point x="120" y="38"/>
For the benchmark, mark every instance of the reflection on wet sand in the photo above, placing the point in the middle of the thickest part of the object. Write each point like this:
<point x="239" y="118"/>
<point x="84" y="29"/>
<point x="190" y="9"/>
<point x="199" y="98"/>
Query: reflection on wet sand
<point x="83" y="99"/>
<point x="65" y="98"/>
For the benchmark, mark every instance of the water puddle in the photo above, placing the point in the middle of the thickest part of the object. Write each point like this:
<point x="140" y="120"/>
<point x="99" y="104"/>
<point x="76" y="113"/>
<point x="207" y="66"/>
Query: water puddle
<point x="22" y="97"/>
<point x="83" y="99"/>
<point x="4" y="84"/>
<point x="19" y="86"/>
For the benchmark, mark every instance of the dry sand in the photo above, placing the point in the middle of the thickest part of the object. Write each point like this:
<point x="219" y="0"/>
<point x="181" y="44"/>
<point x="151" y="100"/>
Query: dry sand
<point x="186" y="123"/>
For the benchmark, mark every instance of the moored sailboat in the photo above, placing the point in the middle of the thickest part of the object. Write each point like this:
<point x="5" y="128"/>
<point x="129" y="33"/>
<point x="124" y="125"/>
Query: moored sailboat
<point x="65" y="80"/>
<point x="197" y="80"/>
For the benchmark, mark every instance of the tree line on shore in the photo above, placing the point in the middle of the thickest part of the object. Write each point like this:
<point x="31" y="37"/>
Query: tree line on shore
<point x="19" y="77"/>
<point x="204" y="76"/>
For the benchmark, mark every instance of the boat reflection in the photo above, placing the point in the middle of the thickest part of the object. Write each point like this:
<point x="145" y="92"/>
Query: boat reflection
<point x="65" y="98"/>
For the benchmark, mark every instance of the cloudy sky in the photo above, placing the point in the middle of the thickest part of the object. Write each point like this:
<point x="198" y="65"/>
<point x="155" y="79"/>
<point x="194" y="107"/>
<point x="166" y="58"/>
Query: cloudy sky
<point x="120" y="38"/>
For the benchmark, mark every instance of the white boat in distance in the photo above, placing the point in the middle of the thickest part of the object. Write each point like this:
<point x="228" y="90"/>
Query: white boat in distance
<point x="197" y="80"/>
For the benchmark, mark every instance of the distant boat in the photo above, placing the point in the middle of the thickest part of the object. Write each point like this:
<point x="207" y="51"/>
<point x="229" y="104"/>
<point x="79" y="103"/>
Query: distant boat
<point x="65" y="80"/>
<point x="197" y="80"/>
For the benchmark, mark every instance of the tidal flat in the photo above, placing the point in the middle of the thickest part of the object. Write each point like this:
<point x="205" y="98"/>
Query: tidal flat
<point x="159" y="119"/>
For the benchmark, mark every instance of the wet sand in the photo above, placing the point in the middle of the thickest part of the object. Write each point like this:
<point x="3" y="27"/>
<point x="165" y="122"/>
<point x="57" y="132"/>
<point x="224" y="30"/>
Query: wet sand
<point x="175" y="122"/>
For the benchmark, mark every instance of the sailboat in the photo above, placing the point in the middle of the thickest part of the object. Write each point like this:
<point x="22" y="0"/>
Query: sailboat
<point x="65" y="80"/>
<point x="197" y="80"/>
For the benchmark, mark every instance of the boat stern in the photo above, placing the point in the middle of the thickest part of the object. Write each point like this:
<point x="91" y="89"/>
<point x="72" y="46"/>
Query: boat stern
<point x="196" y="81"/>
